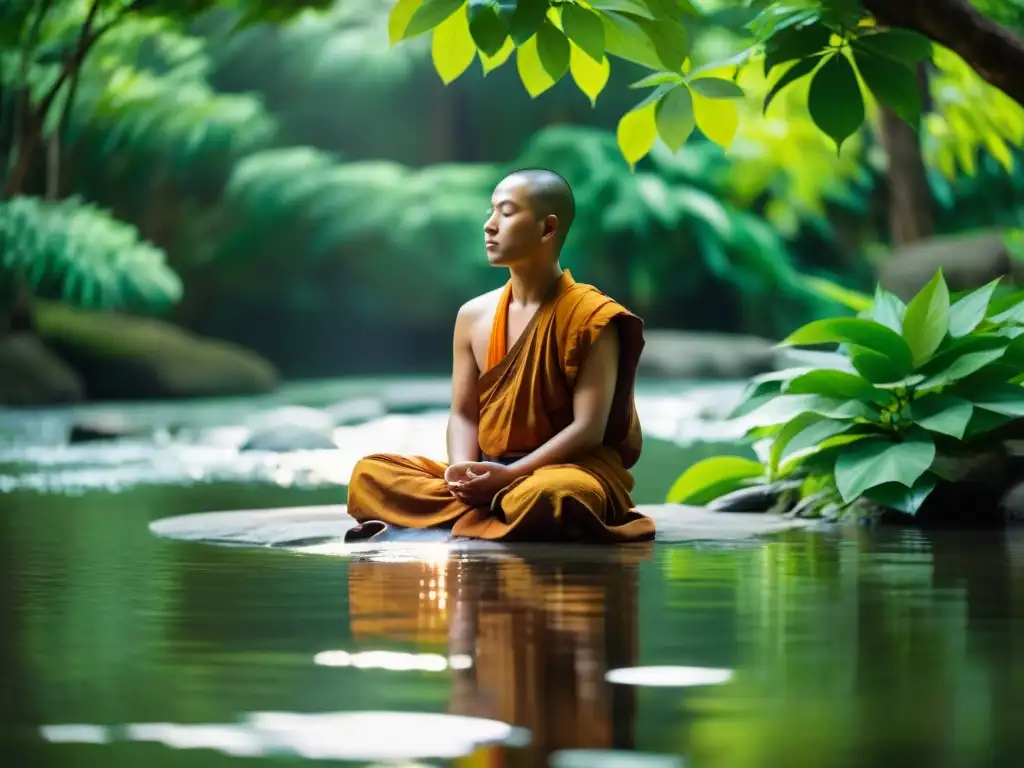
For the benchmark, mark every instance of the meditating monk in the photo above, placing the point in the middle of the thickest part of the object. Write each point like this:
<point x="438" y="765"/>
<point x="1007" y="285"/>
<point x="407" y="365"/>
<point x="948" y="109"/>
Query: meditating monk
<point x="543" y="427"/>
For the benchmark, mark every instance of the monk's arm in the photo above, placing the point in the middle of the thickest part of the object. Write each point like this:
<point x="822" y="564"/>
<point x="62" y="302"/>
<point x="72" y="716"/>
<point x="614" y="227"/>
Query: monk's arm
<point x="591" y="406"/>
<point x="463" y="439"/>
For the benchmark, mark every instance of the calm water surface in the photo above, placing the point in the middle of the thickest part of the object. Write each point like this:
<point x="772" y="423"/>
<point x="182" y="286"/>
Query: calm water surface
<point x="118" y="648"/>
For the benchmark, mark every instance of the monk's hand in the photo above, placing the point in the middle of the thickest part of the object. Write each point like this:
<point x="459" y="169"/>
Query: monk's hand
<point x="476" y="482"/>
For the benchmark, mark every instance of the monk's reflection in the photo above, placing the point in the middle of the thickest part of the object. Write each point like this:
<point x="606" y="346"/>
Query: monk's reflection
<point x="540" y="630"/>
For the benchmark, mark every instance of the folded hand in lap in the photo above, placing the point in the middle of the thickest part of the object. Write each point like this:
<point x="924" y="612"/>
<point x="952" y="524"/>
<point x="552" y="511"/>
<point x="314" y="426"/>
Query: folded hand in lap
<point x="476" y="482"/>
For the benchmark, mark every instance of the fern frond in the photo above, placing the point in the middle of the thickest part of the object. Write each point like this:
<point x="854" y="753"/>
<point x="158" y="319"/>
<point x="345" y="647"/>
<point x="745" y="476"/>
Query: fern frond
<point x="76" y="252"/>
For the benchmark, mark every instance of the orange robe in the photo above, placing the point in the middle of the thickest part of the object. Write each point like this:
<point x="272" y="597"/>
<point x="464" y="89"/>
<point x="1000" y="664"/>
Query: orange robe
<point x="525" y="399"/>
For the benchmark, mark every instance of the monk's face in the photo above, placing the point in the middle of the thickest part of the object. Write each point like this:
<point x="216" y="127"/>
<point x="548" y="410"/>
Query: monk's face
<point x="513" y="232"/>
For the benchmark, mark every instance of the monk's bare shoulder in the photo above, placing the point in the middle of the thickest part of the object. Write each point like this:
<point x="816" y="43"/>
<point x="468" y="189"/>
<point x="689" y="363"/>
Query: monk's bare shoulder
<point x="474" y="321"/>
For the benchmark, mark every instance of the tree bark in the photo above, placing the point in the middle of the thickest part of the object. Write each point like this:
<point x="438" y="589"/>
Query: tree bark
<point x="910" y="197"/>
<point x="993" y="51"/>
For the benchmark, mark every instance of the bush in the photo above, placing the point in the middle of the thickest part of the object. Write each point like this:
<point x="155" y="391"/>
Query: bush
<point x="913" y="389"/>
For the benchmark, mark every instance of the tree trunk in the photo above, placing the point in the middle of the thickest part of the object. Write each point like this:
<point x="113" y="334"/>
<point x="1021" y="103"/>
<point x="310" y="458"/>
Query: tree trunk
<point x="910" y="198"/>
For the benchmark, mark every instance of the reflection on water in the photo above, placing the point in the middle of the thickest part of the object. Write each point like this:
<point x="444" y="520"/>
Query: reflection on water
<point x="120" y="649"/>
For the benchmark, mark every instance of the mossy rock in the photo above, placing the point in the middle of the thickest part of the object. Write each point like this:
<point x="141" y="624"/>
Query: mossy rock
<point x="127" y="358"/>
<point x="32" y="375"/>
<point x="967" y="261"/>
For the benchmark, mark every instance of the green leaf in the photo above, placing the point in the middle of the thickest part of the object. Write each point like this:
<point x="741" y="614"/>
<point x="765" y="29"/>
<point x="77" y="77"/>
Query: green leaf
<point x="1007" y="399"/>
<point x="553" y="49"/>
<point x="965" y="357"/>
<point x="985" y="421"/>
<point x="488" y="28"/>
<point x="888" y="310"/>
<point x="399" y="18"/>
<point x="670" y="41"/>
<point x="624" y="38"/>
<point x="814" y="433"/>
<point x="532" y="71"/>
<point x="716" y="88"/>
<point x="967" y="313"/>
<point x="585" y="28"/>
<point x="800" y="69"/>
<point x="782" y="408"/>
<point x="674" y="117"/>
<point x="860" y="332"/>
<point x="452" y="48"/>
<point x="899" y="44"/>
<point x="636" y="132"/>
<point x="877" y="460"/>
<point x="834" y="100"/>
<point x="527" y="19"/>
<point x="838" y="384"/>
<point x="633" y="7"/>
<point x="926" y="320"/>
<point x="795" y="43"/>
<point x="942" y="413"/>
<point x="875" y="367"/>
<point x="848" y="297"/>
<point x="429" y="15"/>
<point x="895" y="85"/>
<point x="658" y="78"/>
<point x="591" y="76"/>
<point x="903" y="499"/>
<point x="708" y="479"/>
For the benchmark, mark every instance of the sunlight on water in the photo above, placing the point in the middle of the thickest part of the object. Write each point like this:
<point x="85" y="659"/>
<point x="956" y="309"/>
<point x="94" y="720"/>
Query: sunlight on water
<point x="330" y="736"/>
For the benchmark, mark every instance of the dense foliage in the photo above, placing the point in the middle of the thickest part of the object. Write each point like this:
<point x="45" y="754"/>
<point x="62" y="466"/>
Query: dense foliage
<point x="911" y="390"/>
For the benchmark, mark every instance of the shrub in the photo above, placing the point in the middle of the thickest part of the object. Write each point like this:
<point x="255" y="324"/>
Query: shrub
<point x="910" y="390"/>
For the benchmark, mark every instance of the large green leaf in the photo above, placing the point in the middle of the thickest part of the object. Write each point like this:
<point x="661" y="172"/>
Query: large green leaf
<point x="926" y="320"/>
<point x="807" y="430"/>
<point x="968" y="312"/>
<point x="888" y="310"/>
<point x="895" y="85"/>
<point x="900" y="44"/>
<point x="585" y="28"/>
<point x="899" y="497"/>
<point x="946" y="414"/>
<point x="708" y="479"/>
<point x="860" y="332"/>
<point x="674" y="117"/>
<point x="835" y="101"/>
<point x="795" y="43"/>
<point x="966" y="357"/>
<point x="527" y="19"/>
<point x="877" y="460"/>
<point x="632" y="7"/>
<point x="487" y="26"/>
<point x="716" y="88"/>
<point x="1007" y="399"/>
<point x="782" y="408"/>
<point x="553" y="49"/>
<point x="838" y="384"/>
<point x="429" y="15"/>
<point x="800" y="69"/>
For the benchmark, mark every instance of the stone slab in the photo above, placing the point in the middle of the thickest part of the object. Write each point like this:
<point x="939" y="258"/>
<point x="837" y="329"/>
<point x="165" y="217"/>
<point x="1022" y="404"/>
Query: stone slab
<point x="321" y="529"/>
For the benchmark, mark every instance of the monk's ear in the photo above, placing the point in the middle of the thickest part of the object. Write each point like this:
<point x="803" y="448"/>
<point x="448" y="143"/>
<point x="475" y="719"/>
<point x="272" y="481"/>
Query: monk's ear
<point x="550" y="227"/>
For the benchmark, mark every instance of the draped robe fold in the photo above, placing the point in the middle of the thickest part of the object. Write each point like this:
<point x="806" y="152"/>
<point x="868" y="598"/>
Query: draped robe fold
<point x="525" y="399"/>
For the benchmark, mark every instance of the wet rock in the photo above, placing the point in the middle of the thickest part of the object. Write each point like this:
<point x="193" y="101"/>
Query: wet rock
<point x="694" y="355"/>
<point x="759" y="498"/>
<point x="104" y="426"/>
<point x="292" y="428"/>
<point x="288" y="437"/>
<point x="32" y="375"/>
<point x="1012" y="504"/>
<point x="356" y="410"/>
<point x="967" y="261"/>
<point x="121" y="357"/>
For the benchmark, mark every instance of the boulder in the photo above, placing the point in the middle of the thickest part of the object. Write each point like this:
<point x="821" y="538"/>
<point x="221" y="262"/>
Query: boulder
<point x="121" y="357"/>
<point x="32" y="375"/>
<point x="967" y="261"/>
<point x="290" y="428"/>
<point x="697" y="355"/>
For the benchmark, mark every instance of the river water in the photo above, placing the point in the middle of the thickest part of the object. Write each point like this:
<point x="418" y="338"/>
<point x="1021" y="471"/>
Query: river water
<point x="119" y="648"/>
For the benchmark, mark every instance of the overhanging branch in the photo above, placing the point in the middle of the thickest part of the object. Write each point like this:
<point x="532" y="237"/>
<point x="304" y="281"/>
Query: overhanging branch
<point x="992" y="50"/>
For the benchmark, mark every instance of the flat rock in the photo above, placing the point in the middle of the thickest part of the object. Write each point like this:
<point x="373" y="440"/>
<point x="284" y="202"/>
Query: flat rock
<point x="321" y="529"/>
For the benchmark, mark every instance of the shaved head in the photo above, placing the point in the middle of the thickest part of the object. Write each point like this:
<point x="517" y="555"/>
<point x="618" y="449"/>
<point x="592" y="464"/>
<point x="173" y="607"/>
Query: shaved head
<point x="549" y="195"/>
